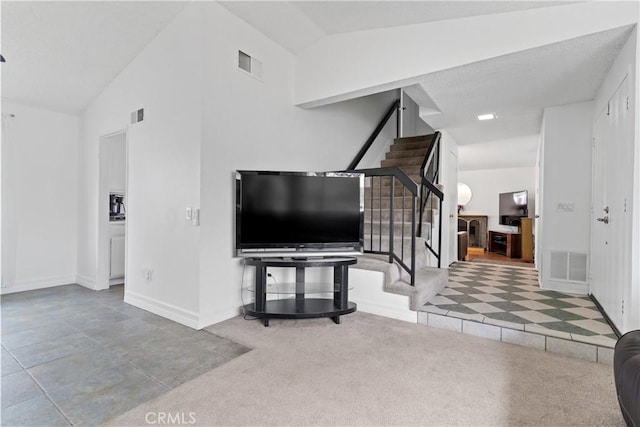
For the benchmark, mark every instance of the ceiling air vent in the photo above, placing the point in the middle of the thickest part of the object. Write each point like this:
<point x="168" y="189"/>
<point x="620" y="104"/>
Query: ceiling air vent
<point x="250" y="65"/>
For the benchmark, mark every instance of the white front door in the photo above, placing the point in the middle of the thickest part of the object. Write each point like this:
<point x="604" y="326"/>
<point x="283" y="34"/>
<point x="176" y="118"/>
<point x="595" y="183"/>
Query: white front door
<point x="611" y="210"/>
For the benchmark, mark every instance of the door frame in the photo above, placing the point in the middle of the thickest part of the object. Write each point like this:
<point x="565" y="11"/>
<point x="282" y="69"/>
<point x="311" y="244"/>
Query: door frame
<point x="104" y="247"/>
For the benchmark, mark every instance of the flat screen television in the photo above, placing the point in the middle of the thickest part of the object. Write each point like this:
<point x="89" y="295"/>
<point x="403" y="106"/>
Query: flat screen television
<point x="299" y="213"/>
<point x="512" y="207"/>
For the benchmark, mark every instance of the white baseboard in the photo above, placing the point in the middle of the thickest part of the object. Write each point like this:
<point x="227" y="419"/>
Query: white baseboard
<point x="569" y="287"/>
<point x="40" y="283"/>
<point x="86" y="281"/>
<point x="388" y="311"/>
<point x="221" y="316"/>
<point x="168" y="311"/>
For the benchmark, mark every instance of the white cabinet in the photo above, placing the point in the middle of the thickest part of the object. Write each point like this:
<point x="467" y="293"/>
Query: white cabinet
<point x="117" y="251"/>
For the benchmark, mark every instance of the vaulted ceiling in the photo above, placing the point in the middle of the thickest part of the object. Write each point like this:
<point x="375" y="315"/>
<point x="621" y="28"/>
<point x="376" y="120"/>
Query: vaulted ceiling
<point x="298" y="24"/>
<point x="61" y="55"/>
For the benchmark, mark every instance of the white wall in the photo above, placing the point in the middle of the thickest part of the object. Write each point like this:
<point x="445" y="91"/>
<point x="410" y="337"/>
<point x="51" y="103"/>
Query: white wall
<point x="204" y="119"/>
<point x="566" y="168"/>
<point x="626" y="64"/>
<point x="39" y="198"/>
<point x="164" y="170"/>
<point x="539" y="202"/>
<point x="412" y="124"/>
<point x="117" y="161"/>
<point x="332" y="69"/>
<point x="516" y="152"/>
<point x="487" y="184"/>
<point x="633" y="321"/>
<point x="252" y="124"/>
<point x="449" y="179"/>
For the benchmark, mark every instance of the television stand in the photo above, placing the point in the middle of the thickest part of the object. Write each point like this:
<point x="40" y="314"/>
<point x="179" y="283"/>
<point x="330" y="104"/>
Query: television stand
<point x="300" y="307"/>
<point x="507" y="244"/>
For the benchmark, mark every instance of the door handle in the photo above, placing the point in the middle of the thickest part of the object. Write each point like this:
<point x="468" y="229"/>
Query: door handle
<point x="605" y="219"/>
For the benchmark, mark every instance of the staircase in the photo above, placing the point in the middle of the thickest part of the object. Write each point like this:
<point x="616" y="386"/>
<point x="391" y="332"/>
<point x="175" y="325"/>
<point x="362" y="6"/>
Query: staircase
<point x="408" y="154"/>
<point x="402" y="248"/>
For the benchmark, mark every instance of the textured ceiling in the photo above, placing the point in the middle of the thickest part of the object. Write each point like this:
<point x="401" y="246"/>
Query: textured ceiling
<point x="61" y="55"/>
<point x="519" y="86"/>
<point x="347" y="16"/>
<point x="296" y="25"/>
<point x="281" y="21"/>
<point x="504" y="153"/>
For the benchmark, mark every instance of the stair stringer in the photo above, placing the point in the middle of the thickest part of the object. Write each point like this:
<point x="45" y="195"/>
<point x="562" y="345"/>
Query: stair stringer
<point x="389" y="292"/>
<point x="367" y="289"/>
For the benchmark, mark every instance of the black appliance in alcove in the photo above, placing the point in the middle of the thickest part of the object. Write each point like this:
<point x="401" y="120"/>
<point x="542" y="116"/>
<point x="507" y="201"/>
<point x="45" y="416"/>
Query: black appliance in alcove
<point x="116" y="207"/>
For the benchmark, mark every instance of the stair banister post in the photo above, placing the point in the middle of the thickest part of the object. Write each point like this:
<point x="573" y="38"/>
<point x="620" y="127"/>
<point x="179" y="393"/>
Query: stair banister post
<point x="391" y="198"/>
<point x="440" y="233"/>
<point x="413" y="241"/>
<point x="421" y="188"/>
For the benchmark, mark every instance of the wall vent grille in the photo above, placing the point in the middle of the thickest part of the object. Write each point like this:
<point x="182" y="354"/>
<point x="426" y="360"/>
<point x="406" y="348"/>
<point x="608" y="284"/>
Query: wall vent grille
<point x="568" y="266"/>
<point x="137" y="116"/>
<point x="249" y="64"/>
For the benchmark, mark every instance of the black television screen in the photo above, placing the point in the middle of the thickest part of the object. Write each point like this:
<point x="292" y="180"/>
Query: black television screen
<point x="512" y="207"/>
<point x="299" y="211"/>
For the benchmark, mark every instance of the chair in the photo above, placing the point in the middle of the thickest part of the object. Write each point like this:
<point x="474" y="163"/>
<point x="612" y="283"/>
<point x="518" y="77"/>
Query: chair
<point x="463" y="242"/>
<point x="626" y="371"/>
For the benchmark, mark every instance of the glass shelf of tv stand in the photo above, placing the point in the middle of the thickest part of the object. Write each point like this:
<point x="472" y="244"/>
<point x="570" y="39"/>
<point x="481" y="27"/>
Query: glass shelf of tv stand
<point x="289" y="288"/>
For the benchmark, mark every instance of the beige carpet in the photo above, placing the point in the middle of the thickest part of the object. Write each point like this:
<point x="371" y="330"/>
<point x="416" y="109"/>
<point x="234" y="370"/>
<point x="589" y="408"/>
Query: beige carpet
<point x="372" y="370"/>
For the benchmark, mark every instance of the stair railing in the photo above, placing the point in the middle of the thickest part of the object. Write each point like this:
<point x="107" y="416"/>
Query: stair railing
<point x="429" y="175"/>
<point x="419" y="194"/>
<point x="383" y="231"/>
<point x="393" y="109"/>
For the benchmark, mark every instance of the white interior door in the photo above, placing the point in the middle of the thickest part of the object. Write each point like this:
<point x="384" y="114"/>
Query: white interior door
<point x="610" y="213"/>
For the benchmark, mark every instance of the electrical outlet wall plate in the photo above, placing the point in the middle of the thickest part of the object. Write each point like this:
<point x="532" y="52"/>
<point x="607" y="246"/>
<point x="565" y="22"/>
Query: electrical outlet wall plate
<point x="566" y="207"/>
<point x="195" y="217"/>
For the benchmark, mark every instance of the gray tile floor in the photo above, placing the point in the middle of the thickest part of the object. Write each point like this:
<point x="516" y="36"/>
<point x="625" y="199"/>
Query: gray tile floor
<point x="72" y="356"/>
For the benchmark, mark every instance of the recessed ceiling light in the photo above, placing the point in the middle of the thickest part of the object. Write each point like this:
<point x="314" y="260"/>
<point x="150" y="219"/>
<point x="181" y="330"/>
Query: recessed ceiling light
<point x="489" y="116"/>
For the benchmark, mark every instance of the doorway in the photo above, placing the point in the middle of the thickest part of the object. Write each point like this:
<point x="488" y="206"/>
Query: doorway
<point x="611" y="210"/>
<point x="452" y="184"/>
<point x="112" y="216"/>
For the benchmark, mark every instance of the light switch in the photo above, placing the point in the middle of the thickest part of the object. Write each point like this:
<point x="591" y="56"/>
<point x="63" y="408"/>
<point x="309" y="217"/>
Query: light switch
<point x="188" y="214"/>
<point x="195" y="218"/>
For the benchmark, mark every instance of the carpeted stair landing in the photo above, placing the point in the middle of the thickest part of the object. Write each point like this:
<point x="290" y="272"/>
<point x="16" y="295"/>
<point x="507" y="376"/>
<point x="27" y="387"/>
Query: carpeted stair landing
<point x="429" y="280"/>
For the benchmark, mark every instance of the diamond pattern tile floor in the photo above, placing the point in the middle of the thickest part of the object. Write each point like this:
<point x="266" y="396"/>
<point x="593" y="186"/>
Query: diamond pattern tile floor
<point x="512" y="296"/>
